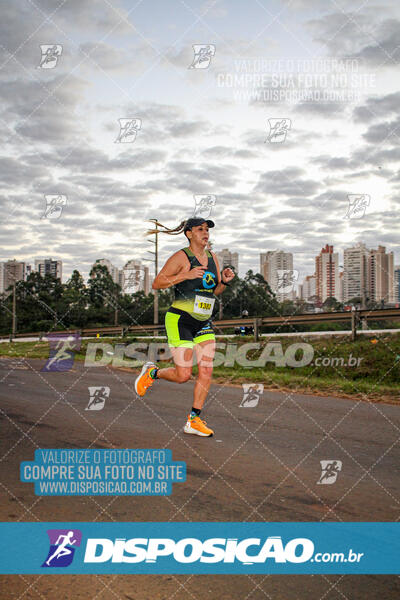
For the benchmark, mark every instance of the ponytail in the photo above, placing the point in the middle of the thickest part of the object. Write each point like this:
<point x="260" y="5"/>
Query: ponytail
<point x="174" y="231"/>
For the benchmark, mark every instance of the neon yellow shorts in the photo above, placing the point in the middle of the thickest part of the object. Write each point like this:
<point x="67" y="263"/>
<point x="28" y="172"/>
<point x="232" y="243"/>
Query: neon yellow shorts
<point x="185" y="331"/>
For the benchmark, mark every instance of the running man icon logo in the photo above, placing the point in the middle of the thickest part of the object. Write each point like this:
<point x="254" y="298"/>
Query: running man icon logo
<point x="203" y="54"/>
<point x="251" y="394"/>
<point x="63" y="543"/>
<point x="286" y="279"/>
<point x="203" y="205"/>
<point x="132" y="282"/>
<point x="62" y="351"/>
<point x="330" y="470"/>
<point x="357" y="205"/>
<point x="278" y="129"/>
<point x="128" y="129"/>
<point x="98" y="396"/>
<point x="54" y="206"/>
<point x="50" y="55"/>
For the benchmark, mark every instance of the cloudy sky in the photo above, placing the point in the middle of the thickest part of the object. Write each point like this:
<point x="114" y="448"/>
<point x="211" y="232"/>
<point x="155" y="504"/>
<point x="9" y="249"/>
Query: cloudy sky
<point x="328" y="68"/>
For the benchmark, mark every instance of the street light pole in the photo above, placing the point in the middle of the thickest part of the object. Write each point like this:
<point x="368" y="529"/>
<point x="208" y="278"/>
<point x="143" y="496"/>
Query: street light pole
<point x="14" y="311"/>
<point x="116" y="310"/>
<point x="155" y="242"/>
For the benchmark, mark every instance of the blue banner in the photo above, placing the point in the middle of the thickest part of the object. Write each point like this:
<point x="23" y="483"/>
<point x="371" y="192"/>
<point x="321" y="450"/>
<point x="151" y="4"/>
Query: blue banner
<point x="207" y="548"/>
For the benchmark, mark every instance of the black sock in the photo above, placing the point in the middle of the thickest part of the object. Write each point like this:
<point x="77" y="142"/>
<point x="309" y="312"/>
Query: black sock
<point x="195" y="412"/>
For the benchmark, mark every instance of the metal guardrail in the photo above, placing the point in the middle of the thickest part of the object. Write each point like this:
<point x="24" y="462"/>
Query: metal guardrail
<point x="353" y="317"/>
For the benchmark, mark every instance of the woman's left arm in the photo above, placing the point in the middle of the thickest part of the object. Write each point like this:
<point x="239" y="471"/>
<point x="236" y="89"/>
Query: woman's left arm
<point x="227" y="274"/>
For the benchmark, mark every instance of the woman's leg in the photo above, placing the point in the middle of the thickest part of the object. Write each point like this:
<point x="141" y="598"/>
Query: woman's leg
<point x="205" y="355"/>
<point x="181" y="372"/>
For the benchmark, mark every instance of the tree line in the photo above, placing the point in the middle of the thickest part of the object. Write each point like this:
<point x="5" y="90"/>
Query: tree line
<point x="43" y="303"/>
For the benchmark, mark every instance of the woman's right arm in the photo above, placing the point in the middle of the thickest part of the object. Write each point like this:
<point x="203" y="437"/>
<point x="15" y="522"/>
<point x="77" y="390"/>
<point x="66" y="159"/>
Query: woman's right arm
<point x="171" y="273"/>
<point x="175" y="270"/>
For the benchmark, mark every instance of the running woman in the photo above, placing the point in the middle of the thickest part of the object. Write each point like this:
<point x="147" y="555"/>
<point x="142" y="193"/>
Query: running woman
<point x="194" y="273"/>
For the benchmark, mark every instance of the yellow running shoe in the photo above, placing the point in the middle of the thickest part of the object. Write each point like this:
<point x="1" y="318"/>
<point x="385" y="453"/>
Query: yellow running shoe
<point x="198" y="427"/>
<point x="144" y="381"/>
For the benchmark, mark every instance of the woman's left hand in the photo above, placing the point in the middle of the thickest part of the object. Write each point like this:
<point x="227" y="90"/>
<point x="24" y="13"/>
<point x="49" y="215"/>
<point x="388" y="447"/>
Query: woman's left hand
<point x="227" y="274"/>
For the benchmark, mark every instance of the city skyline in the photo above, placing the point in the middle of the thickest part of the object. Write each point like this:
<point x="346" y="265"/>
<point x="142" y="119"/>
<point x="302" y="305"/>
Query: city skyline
<point x="170" y="246"/>
<point x="329" y="279"/>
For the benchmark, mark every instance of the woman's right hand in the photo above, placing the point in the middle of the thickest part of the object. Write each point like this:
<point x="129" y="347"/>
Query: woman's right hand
<point x="196" y="273"/>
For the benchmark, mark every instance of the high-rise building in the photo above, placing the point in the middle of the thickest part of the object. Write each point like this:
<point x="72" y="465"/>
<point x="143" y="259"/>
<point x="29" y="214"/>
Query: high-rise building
<point x="135" y="278"/>
<point x="355" y="267"/>
<point x="300" y="293"/>
<point x="327" y="274"/>
<point x="228" y="259"/>
<point x="380" y="275"/>
<point x="307" y="288"/>
<point x="340" y="296"/>
<point x="11" y="271"/>
<point x="397" y="284"/>
<point x="276" y="267"/>
<point x="49" y="266"/>
<point x="114" y="271"/>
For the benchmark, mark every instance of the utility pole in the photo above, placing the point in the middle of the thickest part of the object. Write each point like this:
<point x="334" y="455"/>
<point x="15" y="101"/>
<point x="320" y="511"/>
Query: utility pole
<point x="14" y="311"/>
<point x="116" y="310"/>
<point x="155" y="242"/>
<point x="13" y="275"/>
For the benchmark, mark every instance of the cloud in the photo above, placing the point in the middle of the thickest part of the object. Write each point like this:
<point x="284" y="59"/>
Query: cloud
<point x="335" y="163"/>
<point x="388" y="132"/>
<point x="91" y="160"/>
<point x="206" y="178"/>
<point x="362" y="34"/>
<point x="87" y="15"/>
<point x="383" y="48"/>
<point x="59" y="128"/>
<point x="377" y="107"/>
<point x="286" y="182"/>
<point x="43" y="113"/>
<point x="320" y="108"/>
<point x="16" y="173"/>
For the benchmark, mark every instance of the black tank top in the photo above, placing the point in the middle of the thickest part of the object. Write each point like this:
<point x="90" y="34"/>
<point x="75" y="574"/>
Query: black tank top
<point x="196" y="296"/>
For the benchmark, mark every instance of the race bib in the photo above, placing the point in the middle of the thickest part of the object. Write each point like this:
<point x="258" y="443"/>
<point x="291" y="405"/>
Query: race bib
<point x="203" y="306"/>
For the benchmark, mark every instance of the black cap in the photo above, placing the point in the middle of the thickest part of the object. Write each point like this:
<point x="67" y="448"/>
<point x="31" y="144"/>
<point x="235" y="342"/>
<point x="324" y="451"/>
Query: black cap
<point x="195" y="222"/>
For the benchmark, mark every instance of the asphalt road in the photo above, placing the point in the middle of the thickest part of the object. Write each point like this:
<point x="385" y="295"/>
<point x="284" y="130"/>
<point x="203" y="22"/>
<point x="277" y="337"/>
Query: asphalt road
<point x="263" y="464"/>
